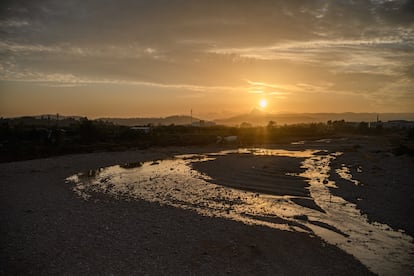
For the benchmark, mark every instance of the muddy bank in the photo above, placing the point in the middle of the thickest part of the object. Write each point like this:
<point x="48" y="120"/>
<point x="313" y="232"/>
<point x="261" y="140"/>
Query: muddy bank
<point x="274" y="175"/>
<point x="380" y="184"/>
<point x="47" y="229"/>
<point x="381" y="177"/>
<point x="329" y="215"/>
<point x="264" y="174"/>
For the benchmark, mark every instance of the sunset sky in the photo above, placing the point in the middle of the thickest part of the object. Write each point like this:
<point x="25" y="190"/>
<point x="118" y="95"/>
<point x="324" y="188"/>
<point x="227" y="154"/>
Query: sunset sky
<point x="136" y="58"/>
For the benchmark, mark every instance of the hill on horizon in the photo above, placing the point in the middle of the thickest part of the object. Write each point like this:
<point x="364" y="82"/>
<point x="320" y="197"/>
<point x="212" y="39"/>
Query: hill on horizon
<point x="260" y="118"/>
<point x="257" y="117"/>
<point x="170" y="120"/>
<point x="254" y="118"/>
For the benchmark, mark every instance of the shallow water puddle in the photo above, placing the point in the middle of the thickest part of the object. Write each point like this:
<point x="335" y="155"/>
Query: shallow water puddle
<point x="174" y="182"/>
<point x="383" y="250"/>
<point x="345" y="173"/>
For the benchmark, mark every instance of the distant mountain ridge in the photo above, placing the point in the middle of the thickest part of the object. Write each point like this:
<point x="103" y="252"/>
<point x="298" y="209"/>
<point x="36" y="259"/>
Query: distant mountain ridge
<point x="54" y="116"/>
<point x="260" y="118"/>
<point x="257" y="117"/>
<point x="254" y="118"/>
<point x="175" y="119"/>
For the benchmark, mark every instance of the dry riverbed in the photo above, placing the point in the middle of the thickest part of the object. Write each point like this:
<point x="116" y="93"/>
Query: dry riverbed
<point x="209" y="211"/>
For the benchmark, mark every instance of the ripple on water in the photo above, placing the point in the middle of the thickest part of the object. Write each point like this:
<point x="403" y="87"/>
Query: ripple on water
<point x="175" y="182"/>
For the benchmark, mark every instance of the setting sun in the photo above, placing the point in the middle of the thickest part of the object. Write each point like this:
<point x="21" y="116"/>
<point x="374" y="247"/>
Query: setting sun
<point x="263" y="103"/>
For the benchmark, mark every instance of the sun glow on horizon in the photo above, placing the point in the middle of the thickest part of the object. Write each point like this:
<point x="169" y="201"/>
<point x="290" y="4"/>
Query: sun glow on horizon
<point x="262" y="103"/>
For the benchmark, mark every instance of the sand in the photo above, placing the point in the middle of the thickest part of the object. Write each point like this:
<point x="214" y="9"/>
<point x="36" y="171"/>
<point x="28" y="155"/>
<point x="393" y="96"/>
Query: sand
<point x="46" y="228"/>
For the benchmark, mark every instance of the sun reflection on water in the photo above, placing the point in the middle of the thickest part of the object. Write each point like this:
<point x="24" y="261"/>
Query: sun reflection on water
<point x="174" y="182"/>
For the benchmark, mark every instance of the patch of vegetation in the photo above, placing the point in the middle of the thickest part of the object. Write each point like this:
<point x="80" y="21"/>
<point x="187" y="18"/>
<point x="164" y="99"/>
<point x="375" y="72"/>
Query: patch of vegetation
<point x="30" y="137"/>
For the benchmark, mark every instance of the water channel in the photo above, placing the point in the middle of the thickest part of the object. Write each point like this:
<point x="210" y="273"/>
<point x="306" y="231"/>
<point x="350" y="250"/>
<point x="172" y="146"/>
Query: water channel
<point x="175" y="182"/>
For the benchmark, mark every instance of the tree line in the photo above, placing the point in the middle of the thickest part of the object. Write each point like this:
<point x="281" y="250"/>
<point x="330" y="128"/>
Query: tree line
<point x="33" y="138"/>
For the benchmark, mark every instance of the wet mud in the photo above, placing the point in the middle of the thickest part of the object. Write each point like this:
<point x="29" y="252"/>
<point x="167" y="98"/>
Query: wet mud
<point x="284" y="189"/>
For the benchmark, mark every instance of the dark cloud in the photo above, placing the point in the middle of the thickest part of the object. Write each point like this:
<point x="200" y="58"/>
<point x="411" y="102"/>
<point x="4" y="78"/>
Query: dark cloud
<point x="161" y="22"/>
<point x="397" y="12"/>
